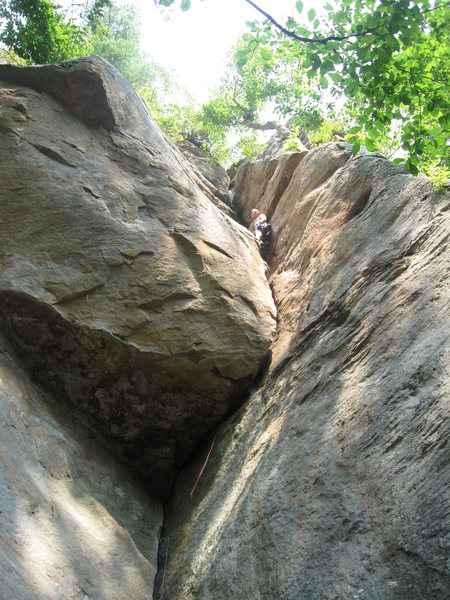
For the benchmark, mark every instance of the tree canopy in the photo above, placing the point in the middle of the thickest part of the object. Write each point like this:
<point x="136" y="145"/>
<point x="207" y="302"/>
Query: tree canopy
<point x="386" y="63"/>
<point x="40" y="32"/>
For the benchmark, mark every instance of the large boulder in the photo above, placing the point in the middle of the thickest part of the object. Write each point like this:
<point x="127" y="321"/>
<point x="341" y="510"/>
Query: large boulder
<point x="332" y="481"/>
<point x="124" y="289"/>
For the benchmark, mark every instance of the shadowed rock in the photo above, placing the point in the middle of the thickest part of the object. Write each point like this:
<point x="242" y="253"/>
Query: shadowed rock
<point x="74" y="524"/>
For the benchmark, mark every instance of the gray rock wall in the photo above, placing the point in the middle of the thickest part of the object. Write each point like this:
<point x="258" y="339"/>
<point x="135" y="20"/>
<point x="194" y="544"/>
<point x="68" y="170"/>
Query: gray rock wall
<point x="134" y="315"/>
<point x="74" y="524"/>
<point x="332" y="482"/>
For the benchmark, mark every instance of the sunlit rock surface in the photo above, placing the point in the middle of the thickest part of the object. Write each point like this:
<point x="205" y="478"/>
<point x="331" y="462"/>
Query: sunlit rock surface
<point x="74" y="524"/>
<point x="332" y="481"/>
<point x="213" y="180"/>
<point x="124" y="289"/>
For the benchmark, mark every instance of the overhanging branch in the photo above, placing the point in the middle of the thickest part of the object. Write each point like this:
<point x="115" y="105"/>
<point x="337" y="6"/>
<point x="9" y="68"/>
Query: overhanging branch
<point x="292" y="34"/>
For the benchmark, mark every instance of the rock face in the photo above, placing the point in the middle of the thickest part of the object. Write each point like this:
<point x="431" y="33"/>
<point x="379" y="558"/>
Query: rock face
<point x="134" y="316"/>
<point x="332" y="481"/>
<point x="73" y="522"/>
<point x="123" y="288"/>
<point x="215" y="175"/>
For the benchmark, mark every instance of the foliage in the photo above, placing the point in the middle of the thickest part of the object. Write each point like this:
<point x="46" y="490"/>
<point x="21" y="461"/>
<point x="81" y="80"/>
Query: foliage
<point x="390" y="60"/>
<point x="330" y="130"/>
<point x="439" y="175"/>
<point x="37" y="31"/>
<point x="175" y="118"/>
<point x="292" y="142"/>
<point x="11" y="58"/>
<point x="117" y="39"/>
<point x="255" y="86"/>
<point x="249" y="146"/>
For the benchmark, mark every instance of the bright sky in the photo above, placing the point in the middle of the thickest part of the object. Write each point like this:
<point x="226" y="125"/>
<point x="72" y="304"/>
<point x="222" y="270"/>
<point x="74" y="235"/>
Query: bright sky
<point x="195" y="43"/>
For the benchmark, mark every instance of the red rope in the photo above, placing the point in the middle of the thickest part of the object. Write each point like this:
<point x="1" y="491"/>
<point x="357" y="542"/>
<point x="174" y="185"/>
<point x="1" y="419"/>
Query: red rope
<point x="204" y="465"/>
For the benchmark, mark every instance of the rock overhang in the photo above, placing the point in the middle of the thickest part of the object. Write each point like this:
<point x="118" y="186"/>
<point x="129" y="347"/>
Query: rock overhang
<point x="125" y="289"/>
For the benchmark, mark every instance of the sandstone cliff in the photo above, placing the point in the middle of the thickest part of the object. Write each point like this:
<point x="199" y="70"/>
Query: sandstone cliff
<point x="135" y="315"/>
<point x="332" y="482"/>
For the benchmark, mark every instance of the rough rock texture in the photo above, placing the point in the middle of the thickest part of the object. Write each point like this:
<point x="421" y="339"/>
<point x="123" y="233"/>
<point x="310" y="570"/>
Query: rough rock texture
<point x="74" y="525"/>
<point x="215" y="174"/>
<point x="262" y="183"/>
<point x="332" y="482"/>
<point x="122" y="287"/>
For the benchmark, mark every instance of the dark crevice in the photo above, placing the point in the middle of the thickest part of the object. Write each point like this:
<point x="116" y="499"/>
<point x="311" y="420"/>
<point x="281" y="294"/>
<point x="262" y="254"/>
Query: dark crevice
<point x="51" y="153"/>
<point x="358" y="206"/>
<point x="218" y="249"/>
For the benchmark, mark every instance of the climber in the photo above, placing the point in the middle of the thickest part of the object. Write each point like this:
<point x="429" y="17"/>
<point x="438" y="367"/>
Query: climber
<point x="261" y="228"/>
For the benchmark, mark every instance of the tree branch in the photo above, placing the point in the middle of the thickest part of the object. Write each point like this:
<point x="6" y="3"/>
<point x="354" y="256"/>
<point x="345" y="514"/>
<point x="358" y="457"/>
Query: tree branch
<point x="292" y="34"/>
<point x="260" y="126"/>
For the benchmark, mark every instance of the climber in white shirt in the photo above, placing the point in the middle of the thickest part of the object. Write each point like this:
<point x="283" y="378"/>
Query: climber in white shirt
<point x="258" y="219"/>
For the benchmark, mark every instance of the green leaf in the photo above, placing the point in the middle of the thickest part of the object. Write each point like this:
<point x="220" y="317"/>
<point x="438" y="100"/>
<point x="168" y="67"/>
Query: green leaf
<point x="299" y="6"/>
<point x="411" y="167"/>
<point x="350" y="90"/>
<point x="185" y="5"/>
<point x="315" y="60"/>
<point x="324" y="82"/>
<point x="398" y="161"/>
<point x="370" y="145"/>
<point x="302" y="31"/>
<point x="311" y="14"/>
<point x="355" y="129"/>
<point x="253" y="25"/>
<point x="328" y="6"/>
<point x="336" y="77"/>
<point x="326" y="66"/>
<point x="356" y="147"/>
<point x="291" y="23"/>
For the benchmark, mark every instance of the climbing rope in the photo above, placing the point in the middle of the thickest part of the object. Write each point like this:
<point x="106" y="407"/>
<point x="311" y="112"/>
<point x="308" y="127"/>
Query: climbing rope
<point x="204" y="465"/>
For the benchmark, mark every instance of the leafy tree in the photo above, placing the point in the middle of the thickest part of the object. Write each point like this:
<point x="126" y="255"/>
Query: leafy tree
<point x="388" y="59"/>
<point x="256" y="91"/>
<point x="38" y="31"/>
<point x="117" y="39"/>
